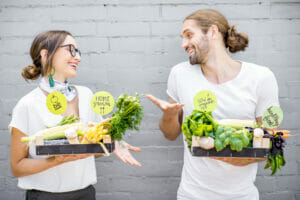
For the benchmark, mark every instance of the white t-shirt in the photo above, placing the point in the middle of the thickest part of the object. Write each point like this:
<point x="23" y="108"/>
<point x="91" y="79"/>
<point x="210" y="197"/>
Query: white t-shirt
<point x="245" y="97"/>
<point x="31" y="115"/>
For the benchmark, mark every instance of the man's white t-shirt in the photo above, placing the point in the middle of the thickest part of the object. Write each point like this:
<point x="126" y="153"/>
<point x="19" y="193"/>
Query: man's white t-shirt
<point x="31" y="115"/>
<point x="245" y="97"/>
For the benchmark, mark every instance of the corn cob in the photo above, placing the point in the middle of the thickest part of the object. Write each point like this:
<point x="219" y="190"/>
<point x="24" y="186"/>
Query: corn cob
<point x="53" y="133"/>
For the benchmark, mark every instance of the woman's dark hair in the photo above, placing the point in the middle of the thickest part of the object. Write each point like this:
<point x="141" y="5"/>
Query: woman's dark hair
<point x="50" y="41"/>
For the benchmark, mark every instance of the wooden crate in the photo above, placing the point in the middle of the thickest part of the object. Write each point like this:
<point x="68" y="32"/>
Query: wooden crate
<point x="46" y="148"/>
<point x="227" y="152"/>
<point x="248" y="152"/>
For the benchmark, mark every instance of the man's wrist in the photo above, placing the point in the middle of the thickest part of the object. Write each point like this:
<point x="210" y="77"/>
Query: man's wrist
<point x="168" y="117"/>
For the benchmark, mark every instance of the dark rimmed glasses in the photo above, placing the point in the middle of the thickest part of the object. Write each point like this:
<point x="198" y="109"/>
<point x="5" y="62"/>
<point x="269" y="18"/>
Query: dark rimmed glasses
<point x="72" y="49"/>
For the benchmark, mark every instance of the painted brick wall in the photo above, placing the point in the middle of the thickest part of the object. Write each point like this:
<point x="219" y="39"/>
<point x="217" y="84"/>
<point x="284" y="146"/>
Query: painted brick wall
<point x="130" y="46"/>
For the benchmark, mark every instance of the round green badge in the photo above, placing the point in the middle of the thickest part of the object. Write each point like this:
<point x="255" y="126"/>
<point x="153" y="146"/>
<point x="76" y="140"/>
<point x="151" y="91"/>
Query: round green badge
<point x="205" y="101"/>
<point x="102" y="103"/>
<point x="272" y="117"/>
<point x="56" y="103"/>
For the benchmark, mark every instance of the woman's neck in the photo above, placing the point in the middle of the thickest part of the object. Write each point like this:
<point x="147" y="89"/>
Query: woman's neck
<point x="58" y="77"/>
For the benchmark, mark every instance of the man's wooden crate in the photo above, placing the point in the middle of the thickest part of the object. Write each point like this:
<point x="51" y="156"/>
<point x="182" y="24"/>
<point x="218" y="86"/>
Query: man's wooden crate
<point x="248" y="152"/>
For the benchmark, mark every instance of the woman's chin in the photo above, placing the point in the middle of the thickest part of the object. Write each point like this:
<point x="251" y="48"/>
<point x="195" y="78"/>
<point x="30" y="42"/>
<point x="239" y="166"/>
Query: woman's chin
<point x="71" y="75"/>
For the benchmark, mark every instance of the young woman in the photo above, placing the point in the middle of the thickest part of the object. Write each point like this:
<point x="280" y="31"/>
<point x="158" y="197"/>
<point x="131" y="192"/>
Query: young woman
<point x="55" y="58"/>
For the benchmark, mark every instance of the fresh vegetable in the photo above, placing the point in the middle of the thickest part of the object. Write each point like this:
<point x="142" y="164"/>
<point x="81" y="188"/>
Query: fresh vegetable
<point x="128" y="116"/>
<point x="95" y="133"/>
<point x="286" y="136"/>
<point x="71" y="135"/>
<point x="275" y="162"/>
<point x="199" y="123"/>
<point x="54" y="133"/>
<point x="276" y="158"/>
<point x="206" y="143"/>
<point x="283" y="133"/>
<point x="237" y="123"/>
<point x="67" y="120"/>
<point x="238" y="134"/>
<point x="57" y="131"/>
<point x="237" y="139"/>
<point x="258" y="132"/>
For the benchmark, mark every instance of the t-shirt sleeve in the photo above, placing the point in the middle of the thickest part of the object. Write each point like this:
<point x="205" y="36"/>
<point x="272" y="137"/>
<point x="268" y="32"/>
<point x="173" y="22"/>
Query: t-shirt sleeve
<point x="19" y="118"/>
<point x="172" y="86"/>
<point x="267" y="93"/>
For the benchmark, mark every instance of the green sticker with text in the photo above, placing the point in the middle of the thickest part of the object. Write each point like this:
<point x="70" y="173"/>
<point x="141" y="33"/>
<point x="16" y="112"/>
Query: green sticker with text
<point x="102" y="103"/>
<point x="56" y="103"/>
<point x="205" y="101"/>
<point x="272" y="117"/>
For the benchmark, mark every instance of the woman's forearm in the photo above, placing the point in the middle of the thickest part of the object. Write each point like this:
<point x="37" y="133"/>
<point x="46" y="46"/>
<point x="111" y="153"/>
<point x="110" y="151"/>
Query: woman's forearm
<point x="29" y="166"/>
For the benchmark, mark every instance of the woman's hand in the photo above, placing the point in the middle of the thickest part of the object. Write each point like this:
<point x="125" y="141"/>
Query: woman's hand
<point x="122" y="152"/>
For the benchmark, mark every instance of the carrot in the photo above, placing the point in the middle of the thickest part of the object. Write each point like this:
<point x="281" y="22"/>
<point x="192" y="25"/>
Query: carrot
<point x="274" y="132"/>
<point x="286" y="136"/>
<point x="284" y="132"/>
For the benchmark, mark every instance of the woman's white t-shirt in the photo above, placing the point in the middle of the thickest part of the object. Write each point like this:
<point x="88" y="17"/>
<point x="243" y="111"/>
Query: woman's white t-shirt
<point x="31" y="115"/>
<point x="245" y="97"/>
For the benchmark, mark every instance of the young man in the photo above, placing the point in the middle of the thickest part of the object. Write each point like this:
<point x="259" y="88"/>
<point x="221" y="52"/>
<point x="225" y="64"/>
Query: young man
<point x="243" y="91"/>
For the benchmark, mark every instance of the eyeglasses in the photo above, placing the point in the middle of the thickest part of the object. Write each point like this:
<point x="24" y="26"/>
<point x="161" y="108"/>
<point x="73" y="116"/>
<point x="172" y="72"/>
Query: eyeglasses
<point x="72" y="49"/>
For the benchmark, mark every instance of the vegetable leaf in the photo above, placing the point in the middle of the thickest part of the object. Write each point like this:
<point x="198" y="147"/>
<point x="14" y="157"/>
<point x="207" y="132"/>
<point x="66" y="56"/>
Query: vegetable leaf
<point x="128" y="117"/>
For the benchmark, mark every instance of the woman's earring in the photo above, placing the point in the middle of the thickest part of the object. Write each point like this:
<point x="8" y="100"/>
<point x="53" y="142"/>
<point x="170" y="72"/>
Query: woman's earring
<point x="51" y="81"/>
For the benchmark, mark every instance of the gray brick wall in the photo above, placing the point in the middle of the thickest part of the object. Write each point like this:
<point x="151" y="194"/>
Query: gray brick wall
<point x="130" y="46"/>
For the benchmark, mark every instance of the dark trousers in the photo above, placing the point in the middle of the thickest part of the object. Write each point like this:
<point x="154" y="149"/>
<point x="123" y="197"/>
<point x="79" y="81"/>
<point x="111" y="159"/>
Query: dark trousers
<point x="83" y="194"/>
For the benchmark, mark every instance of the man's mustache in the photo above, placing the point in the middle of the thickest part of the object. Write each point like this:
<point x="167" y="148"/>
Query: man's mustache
<point x="189" y="47"/>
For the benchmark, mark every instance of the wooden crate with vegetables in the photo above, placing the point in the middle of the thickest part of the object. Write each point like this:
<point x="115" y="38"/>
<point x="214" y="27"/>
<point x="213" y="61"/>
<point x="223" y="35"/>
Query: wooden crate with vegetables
<point x="70" y="137"/>
<point x="207" y="137"/>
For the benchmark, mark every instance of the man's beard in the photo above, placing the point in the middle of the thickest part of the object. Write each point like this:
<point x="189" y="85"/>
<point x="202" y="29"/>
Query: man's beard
<point x="201" y="52"/>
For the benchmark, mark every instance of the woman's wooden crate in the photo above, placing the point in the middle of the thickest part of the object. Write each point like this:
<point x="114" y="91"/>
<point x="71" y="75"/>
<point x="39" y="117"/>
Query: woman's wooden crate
<point x="52" y="148"/>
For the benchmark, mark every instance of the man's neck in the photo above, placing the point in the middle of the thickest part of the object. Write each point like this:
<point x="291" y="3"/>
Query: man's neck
<point x="220" y="68"/>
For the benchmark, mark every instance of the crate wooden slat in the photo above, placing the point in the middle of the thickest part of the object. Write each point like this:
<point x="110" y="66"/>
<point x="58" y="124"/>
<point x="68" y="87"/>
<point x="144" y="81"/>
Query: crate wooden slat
<point x="227" y="152"/>
<point x="73" y="149"/>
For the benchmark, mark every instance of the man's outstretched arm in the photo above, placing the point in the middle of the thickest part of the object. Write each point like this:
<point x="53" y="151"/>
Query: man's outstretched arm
<point x="170" y="123"/>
